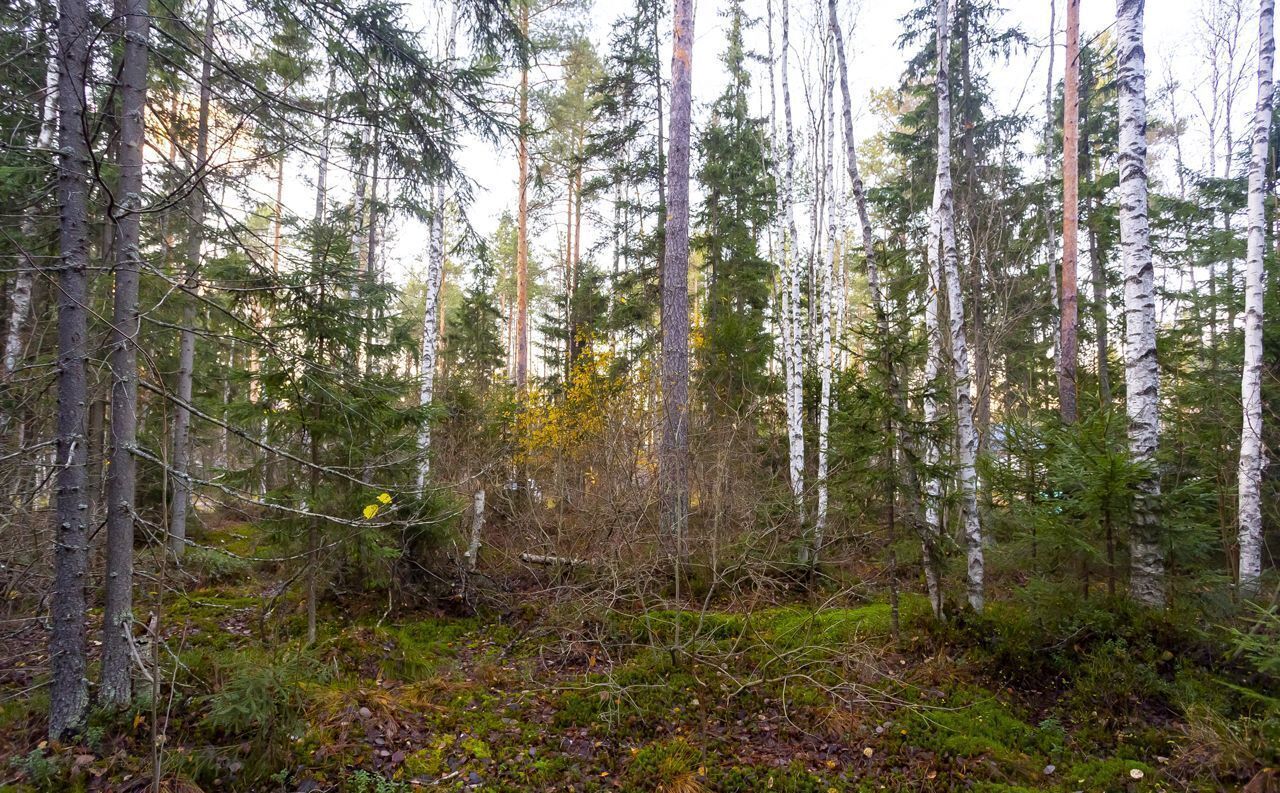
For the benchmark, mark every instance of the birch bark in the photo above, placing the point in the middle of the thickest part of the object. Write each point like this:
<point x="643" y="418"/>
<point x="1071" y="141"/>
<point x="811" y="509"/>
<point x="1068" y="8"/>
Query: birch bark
<point x="967" y="436"/>
<point x="431" y="310"/>
<point x="826" y="282"/>
<point x="1142" y="376"/>
<point x="932" y="553"/>
<point x="1252" y="459"/>
<point x="20" y="294"/>
<point x="793" y="360"/>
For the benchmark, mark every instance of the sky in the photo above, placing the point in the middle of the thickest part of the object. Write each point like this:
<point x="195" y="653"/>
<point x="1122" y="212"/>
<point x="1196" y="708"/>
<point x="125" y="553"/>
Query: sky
<point x="871" y="30"/>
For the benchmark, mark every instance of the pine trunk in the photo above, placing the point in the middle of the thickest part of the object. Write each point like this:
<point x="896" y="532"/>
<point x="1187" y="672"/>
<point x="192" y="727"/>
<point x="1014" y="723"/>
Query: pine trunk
<point x="522" y="221"/>
<point x="187" y="345"/>
<point x="1067" y="341"/>
<point x="673" y="473"/>
<point x="1142" y="376"/>
<point x="1251" y="454"/>
<point x="69" y="689"/>
<point x="117" y="618"/>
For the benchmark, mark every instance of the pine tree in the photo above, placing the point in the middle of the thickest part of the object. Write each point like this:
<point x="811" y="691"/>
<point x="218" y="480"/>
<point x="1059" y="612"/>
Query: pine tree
<point x="69" y="691"/>
<point x="673" y="465"/>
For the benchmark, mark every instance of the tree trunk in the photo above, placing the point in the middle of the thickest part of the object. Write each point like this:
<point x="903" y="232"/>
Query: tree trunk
<point x="432" y="316"/>
<point x="1067" y="342"/>
<point x="1050" y="248"/>
<point x="967" y="437"/>
<point x="673" y="461"/>
<point x="117" y="618"/>
<point x="20" y="294"/>
<point x="472" y="555"/>
<point x="1251" y="454"/>
<point x="69" y="690"/>
<point x="309" y="437"/>
<point x="187" y="347"/>
<point x="1098" y="273"/>
<point x="981" y="355"/>
<point x="793" y="360"/>
<point x="826" y="285"/>
<point x="522" y="239"/>
<point x="932" y="558"/>
<point x="1142" y="375"/>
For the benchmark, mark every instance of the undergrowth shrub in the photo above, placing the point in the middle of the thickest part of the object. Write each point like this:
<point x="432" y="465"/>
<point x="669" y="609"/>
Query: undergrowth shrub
<point x="260" y="699"/>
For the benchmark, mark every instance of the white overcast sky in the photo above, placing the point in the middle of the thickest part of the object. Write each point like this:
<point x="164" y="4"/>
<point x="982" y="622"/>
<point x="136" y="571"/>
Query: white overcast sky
<point x="871" y="30"/>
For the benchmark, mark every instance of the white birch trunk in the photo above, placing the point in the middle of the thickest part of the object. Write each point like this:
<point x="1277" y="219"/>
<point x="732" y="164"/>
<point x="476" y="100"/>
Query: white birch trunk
<point x="1251" y="454"/>
<point x="792" y="356"/>
<point x="967" y="436"/>
<point x="431" y="305"/>
<point x="477" y="527"/>
<point x="20" y="294"/>
<point x="932" y="495"/>
<point x="430" y="332"/>
<point x="932" y="561"/>
<point x="1142" y="376"/>
<point x="826" y="285"/>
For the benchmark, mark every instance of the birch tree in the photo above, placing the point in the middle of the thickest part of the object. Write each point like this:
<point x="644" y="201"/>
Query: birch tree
<point x="187" y="345"/>
<point x="69" y="689"/>
<point x="431" y="308"/>
<point x="673" y="460"/>
<point x="20" y="292"/>
<point x="792" y="357"/>
<point x="1142" y="376"/>
<point x="967" y="436"/>
<point x="117" y="618"/>
<point x="932" y="557"/>
<point x="825" y="286"/>
<point x="1251" y="454"/>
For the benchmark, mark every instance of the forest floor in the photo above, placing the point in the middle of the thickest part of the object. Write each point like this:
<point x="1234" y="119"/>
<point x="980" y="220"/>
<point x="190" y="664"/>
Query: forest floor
<point x="788" y="698"/>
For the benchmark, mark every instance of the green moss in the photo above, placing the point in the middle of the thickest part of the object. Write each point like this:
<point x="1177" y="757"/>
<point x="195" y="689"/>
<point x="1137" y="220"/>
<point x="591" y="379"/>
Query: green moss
<point x="662" y="625"/>
<point x="1114" y="773"/>
<point x="976" y="724"/>
<point x="749" y="779"/>
<point x="429" y="761"/>
<point x="421" y="649"/>
<point x="796" y="627"/>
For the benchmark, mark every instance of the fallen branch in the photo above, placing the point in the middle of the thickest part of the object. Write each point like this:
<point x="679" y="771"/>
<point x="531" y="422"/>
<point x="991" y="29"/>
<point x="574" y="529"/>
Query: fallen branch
<point x="537" y="558"/>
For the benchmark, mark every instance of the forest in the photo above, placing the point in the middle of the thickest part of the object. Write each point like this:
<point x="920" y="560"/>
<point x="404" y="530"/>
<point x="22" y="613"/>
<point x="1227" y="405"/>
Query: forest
<point x="812" y="396"/>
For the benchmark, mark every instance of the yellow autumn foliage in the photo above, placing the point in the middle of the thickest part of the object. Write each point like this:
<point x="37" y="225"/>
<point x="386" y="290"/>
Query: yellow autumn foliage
<point x="570" y="422"/>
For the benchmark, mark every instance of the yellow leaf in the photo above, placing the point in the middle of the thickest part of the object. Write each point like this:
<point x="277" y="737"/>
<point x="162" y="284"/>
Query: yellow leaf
<point x="137" y="720"/>
<point x="385" y="498"/>
<point x="371" y="511"/>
